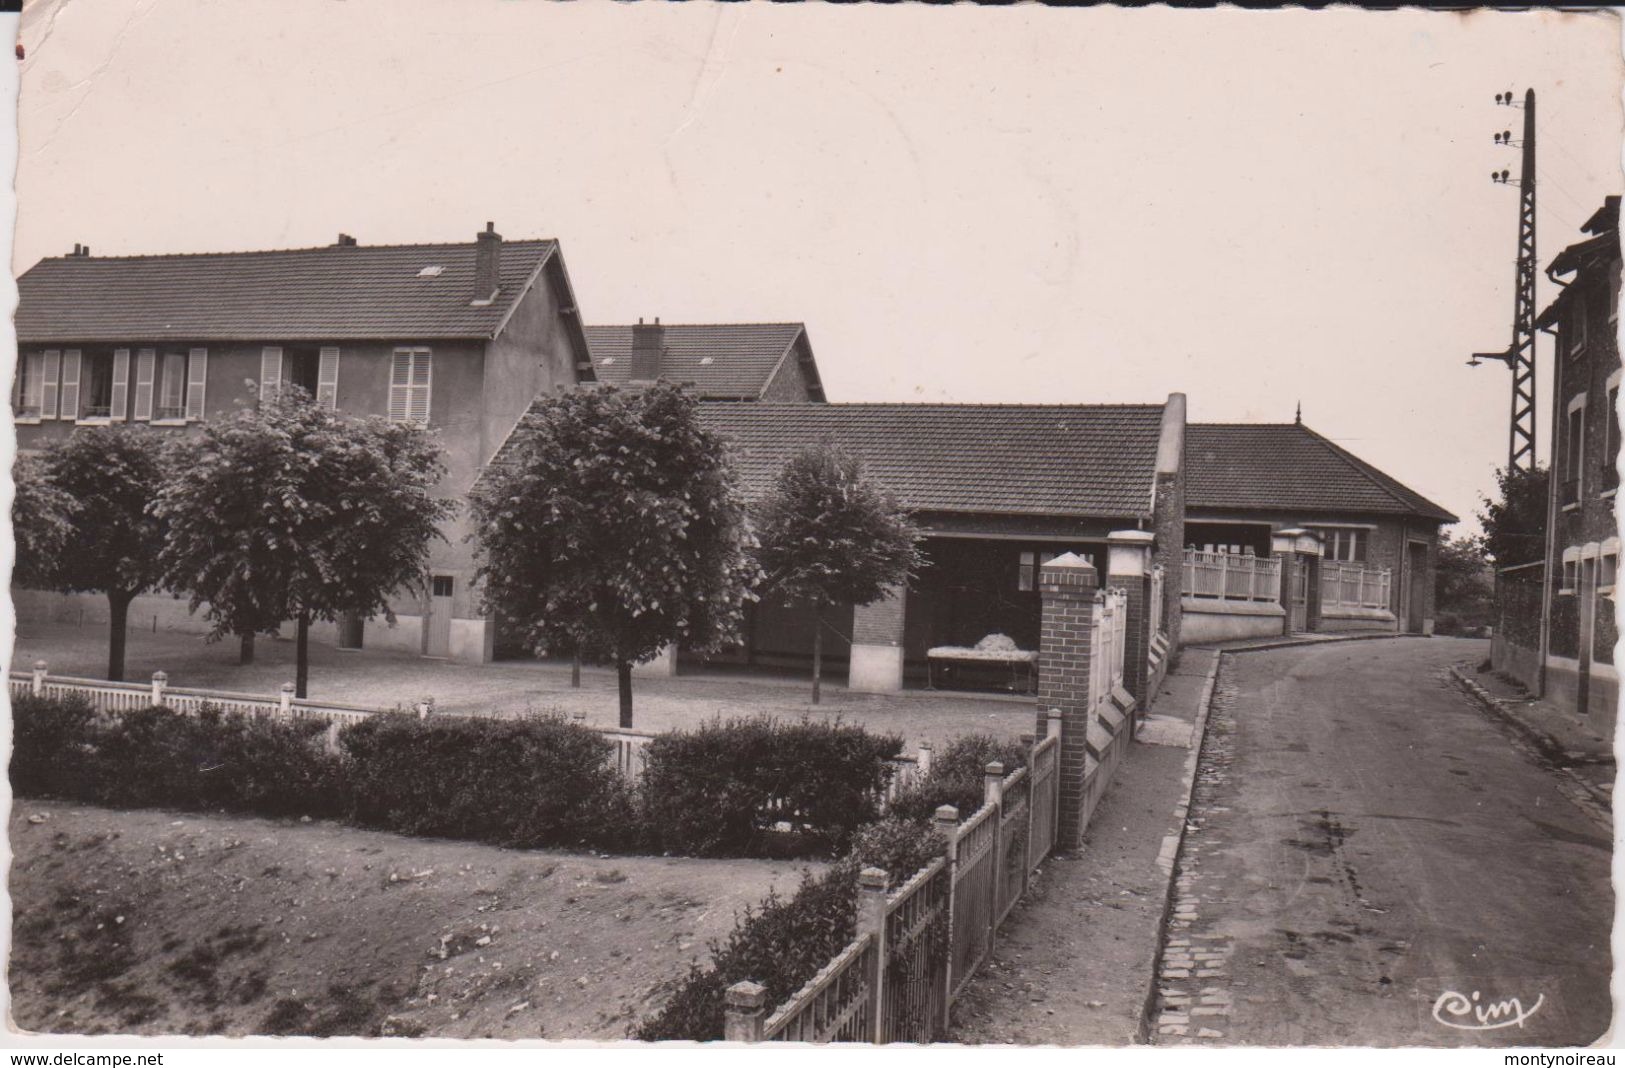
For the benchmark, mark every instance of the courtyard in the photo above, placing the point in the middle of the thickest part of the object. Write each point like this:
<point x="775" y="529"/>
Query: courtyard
<point x="385" y="679"/>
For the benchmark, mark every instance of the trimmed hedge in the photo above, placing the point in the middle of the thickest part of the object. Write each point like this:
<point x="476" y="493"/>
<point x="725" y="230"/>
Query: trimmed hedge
<point x="155" y="757"/>
<point x="535" y="781"/>
<point x="957" y="775"/>
<point x="717" y="790"/>
<point x="783" y="942"/>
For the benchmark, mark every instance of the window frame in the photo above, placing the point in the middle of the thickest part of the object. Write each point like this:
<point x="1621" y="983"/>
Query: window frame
<point x="168" y="359"/>
<point x="1609" y="461"/>
<point x="1574" y="450"/>
<point x="30" y="372"/>
<point x="1580" y="327"/>
<point x="426" y="387"/>
<point x="95" y="364"/>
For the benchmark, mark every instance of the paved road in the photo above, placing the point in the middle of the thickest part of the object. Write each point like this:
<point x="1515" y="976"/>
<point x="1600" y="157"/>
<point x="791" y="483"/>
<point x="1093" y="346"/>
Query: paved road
<point x="1366" y="842"/>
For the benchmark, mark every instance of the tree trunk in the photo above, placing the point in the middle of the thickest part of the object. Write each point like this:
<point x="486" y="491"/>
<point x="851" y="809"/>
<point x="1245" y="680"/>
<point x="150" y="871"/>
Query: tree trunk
<point x="118" y="611"/>
<point x="575" y="672"/>
<point x="301" y="671"/>
<point x="623" y="676"/>
<point x="818" y="653"/>
<point x="245" y="650"/>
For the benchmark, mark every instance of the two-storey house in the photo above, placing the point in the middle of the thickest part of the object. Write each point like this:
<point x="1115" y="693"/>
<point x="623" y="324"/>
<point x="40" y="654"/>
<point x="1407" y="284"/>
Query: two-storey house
<point x="456" y="338"/>
<point x="1557" y="628"/>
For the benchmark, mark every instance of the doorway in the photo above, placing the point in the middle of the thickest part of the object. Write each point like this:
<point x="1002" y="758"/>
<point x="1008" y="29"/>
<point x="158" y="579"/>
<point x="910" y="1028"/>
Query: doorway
<point x="1416" y="576"/>
<point x="1588" y="627"/>
<point x="437" y="624"/>
<point x="1298" y="620"/>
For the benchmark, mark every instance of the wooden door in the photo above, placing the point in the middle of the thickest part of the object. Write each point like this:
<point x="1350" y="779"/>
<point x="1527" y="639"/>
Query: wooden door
<point x="1299" y="608"/>
<point x="437" y="625"/>
<point x="1416" y="576"/>
<point x="1588" y="629"/>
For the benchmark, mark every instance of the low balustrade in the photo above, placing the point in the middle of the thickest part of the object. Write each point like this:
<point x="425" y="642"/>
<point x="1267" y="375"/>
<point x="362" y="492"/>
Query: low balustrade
<point x="1345" y="585"/>
<point x="1232" y="577"/>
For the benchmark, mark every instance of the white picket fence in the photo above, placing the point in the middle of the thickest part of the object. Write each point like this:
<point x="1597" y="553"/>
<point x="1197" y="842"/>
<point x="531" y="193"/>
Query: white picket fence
<point x="1108" y="641"/>
<point x="120" y="697"/>
<point x="1344" y="585"/>
<point x="1229" y="577"/>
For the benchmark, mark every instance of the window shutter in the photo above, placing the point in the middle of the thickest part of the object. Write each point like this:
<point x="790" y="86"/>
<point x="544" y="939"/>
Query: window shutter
<point x="48" y="391"/>
<point x="422" y="372"/>
<point x="70" y="383"/>
<point x="327" y="378"/>
<point x="400" y="384"/>
<point x="270" y="373"/>
<point x="144" y="363"/>
<point x="197" y="373"/>
<point x="121" y="384"/>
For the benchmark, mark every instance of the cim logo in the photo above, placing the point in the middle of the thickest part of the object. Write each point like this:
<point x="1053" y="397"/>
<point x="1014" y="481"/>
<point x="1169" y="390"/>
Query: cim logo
<point x="1470" y="1013"/>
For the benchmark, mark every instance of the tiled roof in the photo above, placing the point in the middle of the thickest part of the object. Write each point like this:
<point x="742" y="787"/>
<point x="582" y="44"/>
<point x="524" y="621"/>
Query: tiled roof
<point x="1096" y="461"/>
<point x="1288" y="467"/>
<point x="333" y="292"/>
<point x="725" y="361"/>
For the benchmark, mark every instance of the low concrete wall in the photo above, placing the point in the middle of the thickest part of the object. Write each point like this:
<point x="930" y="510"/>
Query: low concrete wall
<point x="1521" y="662"/>
<point x="875" y="669"/>
<point x="1109" y="736"/>
<point x="1223" y="621"/>
<point x="1351" y="620"/>
<point x="1563" y="688"/>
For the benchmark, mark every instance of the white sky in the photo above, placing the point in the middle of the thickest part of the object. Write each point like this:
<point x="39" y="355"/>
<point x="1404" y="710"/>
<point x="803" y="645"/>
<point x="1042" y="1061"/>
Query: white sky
<point x="1017" y="204"/>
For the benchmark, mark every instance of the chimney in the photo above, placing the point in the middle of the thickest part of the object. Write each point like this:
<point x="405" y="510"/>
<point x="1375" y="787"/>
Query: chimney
<point x="648" y="343"/>
<point x="487" y="265"/>
<point x="345" y="241"/>
<point x="80" y="250"/>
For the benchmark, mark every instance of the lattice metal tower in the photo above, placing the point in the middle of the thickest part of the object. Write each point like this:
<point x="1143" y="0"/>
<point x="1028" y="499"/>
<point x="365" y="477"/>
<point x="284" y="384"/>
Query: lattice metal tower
<point x="1520" y="355"/>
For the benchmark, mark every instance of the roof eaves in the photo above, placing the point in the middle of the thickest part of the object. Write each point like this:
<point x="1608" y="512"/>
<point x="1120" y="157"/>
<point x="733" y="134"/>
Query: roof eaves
<point x="1401" y="494"/>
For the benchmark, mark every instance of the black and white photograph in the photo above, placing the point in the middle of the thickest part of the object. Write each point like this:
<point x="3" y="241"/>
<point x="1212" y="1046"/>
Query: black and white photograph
<point x="635" y="523"/>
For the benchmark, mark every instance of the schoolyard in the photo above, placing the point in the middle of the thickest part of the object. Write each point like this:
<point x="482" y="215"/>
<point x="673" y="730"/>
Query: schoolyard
<point x="387" y="679"/>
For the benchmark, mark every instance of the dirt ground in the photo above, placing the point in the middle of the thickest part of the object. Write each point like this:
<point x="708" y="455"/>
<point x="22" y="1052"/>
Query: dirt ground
<point x="150" y="922"/>
<point x="382" y="678"/>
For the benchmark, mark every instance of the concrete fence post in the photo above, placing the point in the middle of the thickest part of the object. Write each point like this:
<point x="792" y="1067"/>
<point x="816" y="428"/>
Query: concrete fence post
<point x="745" y="1012"/>
<point x="1129" y="565"/>
<point x="159" y="681"/>
<point x="425" y="708"/>
<point x="946" y="823"/>
<point x="924" y="760"/>
<point x="284" y="704"/>
<point x="993" y="794"/>
<point x="873" y="886"/>
<point x="38" y="683"/>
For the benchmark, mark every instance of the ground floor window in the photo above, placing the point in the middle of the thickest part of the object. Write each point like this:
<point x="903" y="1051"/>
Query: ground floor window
<point x="1346" y="545"/>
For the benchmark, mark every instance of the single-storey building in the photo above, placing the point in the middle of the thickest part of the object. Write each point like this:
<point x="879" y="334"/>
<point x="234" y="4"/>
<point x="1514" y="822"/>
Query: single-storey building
<point x="1377" y="539"/>
<point x="718" y="361"/>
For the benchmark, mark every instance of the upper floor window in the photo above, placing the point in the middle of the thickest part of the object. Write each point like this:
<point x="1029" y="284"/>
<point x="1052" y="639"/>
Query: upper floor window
<point x="1574" y="450"/>
<point x="171" y="385"/>
<point x="1610" y="441"/>
<point x="30" y="399"/>
<point x="411" y="376"/>
<point x="1347" y="545"/>
<point x="1576" y="327"/>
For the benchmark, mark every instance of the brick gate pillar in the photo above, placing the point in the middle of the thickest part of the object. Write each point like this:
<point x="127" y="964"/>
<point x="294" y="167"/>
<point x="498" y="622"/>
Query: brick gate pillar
<point x="1068" y="586"/>
<point x="1128" y="568"/>
<point x="877" y="644"/>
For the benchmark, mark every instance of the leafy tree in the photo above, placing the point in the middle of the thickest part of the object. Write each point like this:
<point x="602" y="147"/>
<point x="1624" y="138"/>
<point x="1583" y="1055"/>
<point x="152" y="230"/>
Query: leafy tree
<point x="1464" y="585"/>
<point x="827" y="535"/>
<point x="41" y="521"/>
<point x="1515" y="525"/>
<point x="111" y="474"/>
<point x="289" y="511"/>
<point x="614" y="528"/>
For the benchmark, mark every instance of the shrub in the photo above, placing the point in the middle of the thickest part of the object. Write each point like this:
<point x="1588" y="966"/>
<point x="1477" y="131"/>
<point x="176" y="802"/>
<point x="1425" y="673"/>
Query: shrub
<point x="718" y="789"/>
<point x="534" y="781"/>
<point x="957" y="776"/>
<point x="783" y="942"/>
<point x="158" y="757"/>
<point x="50" y="747"/>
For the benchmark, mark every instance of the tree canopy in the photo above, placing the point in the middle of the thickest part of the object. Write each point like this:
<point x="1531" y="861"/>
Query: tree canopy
<point x="613" y="527"/>
<point x="111" y="475"/>
<point x="1515" y="523"/>
<point x="289" y="511"/>
<point x="41" y="522"/>
<point x="827" y="535"/>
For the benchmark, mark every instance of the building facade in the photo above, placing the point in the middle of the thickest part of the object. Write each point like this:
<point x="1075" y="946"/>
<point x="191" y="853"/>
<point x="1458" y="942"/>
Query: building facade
<point x="455" y="338"/>
<point x="1558" y="626"/>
